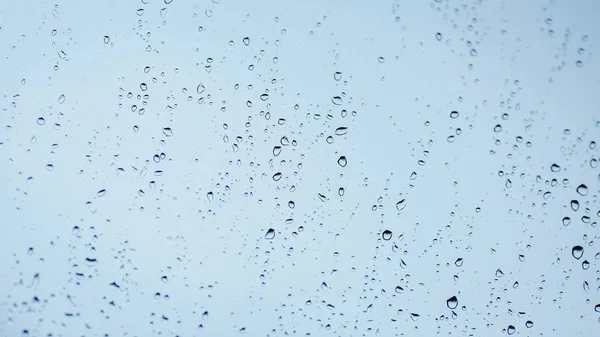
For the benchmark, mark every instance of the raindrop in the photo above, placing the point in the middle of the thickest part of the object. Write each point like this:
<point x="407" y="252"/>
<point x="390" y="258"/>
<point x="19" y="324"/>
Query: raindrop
<point x="337" y="75"/>
<point x="438" y="36"/>
<point x="167" y="132"/>
<point x="566" y="221"/>
<point x="342" y="130"/>
<point x="164" y="279"/>
<point x="585" y="265"/>
<point x="61" y="99"/>
<point x="452" y="302"/>
<point x="210" y="196"/>
<point x="380" y="59"/>
<point x="200" y="88"/>
<point x="454" y="114"/>
<point x="41" y="121"/>
<point x="143" y="86"/>
<point x="276" y="150"/>
<point x="341" y="191"/>
<point x="499" y="273"/>
<point x="458" y="262"/>
<point x="399" y="289"/>
<point x="106" y="39"/>
<point x="342" y="161"/>
<point x="387" y="234"/>
<point x="554" y="168"/>
<point x="264" y="97"/>
<point x="582" y="190"/>
<point x="511" y="330"/>
<point x="574" y="205"/>
<point x="497" y="128"/>
<point x="400" y="205"/>
<point x="246" y="40"/>
<point x="277" y="176"/>
<point x="101" y="193"/>
<point x="528" y="324"/>
<point x="597" y="308"/>
<point x="337" y="100"/>
<point x="270" y="234"/>
<point x="577" y="252"/>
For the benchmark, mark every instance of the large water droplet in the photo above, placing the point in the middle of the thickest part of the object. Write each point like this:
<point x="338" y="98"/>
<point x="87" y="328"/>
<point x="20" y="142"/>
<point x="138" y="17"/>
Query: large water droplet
<point x="276" y="150"/>
<point x="454" y="114"/>
<point x="342" y="130"/>
<point x="458" y="262"/>
<point x="577" y="252"/>
<point x="387" y="234"/>
<point x="337" y="100"/>
<point x="246" y="40"/>
<point x="574" y="205"/>
<point x="555" y="168"/>
<point x="528" y="324"/>
<point x="452" y="302"/>
<point x="511" y="330"/>
<point x="270" y="234"/>
<point x="582" y="190"/>
<point x="342" y="161"/>
<point x="277" y="176"/>
<point x="566" y="221"/>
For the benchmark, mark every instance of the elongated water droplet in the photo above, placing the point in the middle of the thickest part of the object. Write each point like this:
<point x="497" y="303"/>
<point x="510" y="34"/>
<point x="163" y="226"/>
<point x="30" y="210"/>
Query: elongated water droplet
<point x="458" y="262"/>
<point x="574" y="205"/>
<point x="276" y="150"/>
<point x="454" y="114"/>
<point x="277" y="176"/>
<point x="577" y="252"/>
<point x="342" y="130"/>
<point x="337" y="100"/>
<point x="101" y="193"/>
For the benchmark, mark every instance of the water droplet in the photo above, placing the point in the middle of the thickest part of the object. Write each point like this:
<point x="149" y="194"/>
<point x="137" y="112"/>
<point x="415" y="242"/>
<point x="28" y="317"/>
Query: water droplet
<point x="414" y="317"/>
<point x="277" y="176"/>
<point x="270" y="234"/>
<point x="508" y="183"/>
<point x="582" y="190"/>
<point x="41" y="121"/>
<point x="380" y="59"/>
<point x="276" y="150"/>
<point x="497" y="128"/>
<point x="329" y="140"/>
<point x="342" y="130"/>
<point x="574" y="205"/>
<point x="458" y="262"/>
<point x="566" y="221"/>
<point x="164" y="279"/>
<point x="337" y="100"/>
<point x="342" y="161"/>
<point x="499" y="273"/>
<point x="210" y="196"/>
<point x="140" y="12"/>
<point x="30" y="251"/>
<point x="246" y="40"/>
<point x="585" y="265"/>
<point x="61" y="99"/>
<point x="143" y="86"/>
<point x="454" y="114"/>
<point x="400" y="205"/>
<point x="101" y="193"/>
<point x="200" y="88"/>
<point x="399" y="289"/>
<point x="264" y="97"/>
<point x="452" y="302"/>
<point x="579" y="64"/>
<point x="106" y="39"/>
<point x="473" y="52"/>
<point x="438" y="36"/>
<point x="167" y="132"/>
<point x="555" y="168"/>
<point x="387" y="234"/>
<point x="341" y="191"/>
<point x="337" y="75"/>
<point x="597" y="308"/>
<point x="577" y="252"/>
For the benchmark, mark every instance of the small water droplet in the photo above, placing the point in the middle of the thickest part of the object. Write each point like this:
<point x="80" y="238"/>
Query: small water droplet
<point x="566" y="221"/>
<point x="438" y="36"/>
<point x="101" y="193"/>
<point x="497" y="128"/>
<point x="337" y="100"/>
<point x="452" y="303"/>
<point x="164" y="279"/>
<point x="167" y="132"/>
<point x="277" y="176"/>
<point x="61" y="99"/>
<point x="337" y="75"/>
<point x="246" y="40"/>
<point x="41" y="121"/>
<point x="380" y="59"/>
<point x="270" y="234"/>
<point x="458" y="262"/>
<point x="387" y="234"/>
<point x="511" y="330"/>
<point x="143" y="86"/>
<point x="585" y="264"/>
<point x="342" y="161"/>
<point x="577" y="252"/>
<point x="454" y="114"/>
<point x="276" y="150"/>
<point x="555" y="168"/>
<point x="106" y="39"/>
<point x="399" y="289"/>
